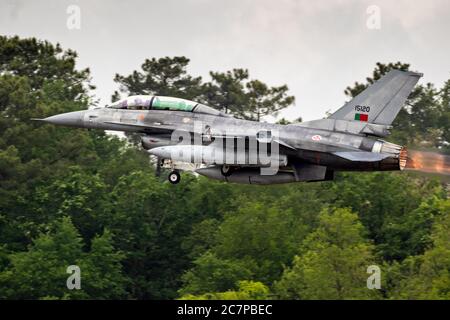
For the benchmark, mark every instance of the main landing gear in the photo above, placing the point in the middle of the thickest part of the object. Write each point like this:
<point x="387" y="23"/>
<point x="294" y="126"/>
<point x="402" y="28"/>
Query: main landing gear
<point x="174" y="177"/>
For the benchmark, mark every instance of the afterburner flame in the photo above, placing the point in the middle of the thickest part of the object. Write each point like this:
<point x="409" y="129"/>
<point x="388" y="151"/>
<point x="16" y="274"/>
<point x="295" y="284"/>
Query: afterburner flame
<point x="430" y="162"/>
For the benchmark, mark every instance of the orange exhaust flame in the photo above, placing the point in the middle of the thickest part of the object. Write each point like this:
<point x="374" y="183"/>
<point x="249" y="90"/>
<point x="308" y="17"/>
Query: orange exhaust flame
<point x="429" y="162"/>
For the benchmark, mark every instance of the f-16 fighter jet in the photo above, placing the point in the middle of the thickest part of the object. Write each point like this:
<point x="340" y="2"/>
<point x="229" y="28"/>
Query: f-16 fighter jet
<point x="182" y="132"/>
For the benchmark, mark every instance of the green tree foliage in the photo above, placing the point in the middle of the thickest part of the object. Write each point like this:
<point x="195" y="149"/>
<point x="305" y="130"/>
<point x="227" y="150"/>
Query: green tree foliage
<point x="247" y="290"/>
<point x="386" y="205"/>
<point x="102" y="273"/>
<point x="48" y="173"/>
<point x="264" y="237"/>
<point x="41" y="271"/>
<point x="211" y="274"/>
<point x="427" y="276"/>
<point x="149" y="222"/>
<point x="165" y="77"/>
<point x="332" y="262"/>
<point x="43" y="60"/>
<point x="231" y="91"/>
<point x="247" y="99"/>
<point x="37" y="79"/>
<point x="227" y="90"/>
<point x="265" y="101"/>
<point x="262" y="228"/>
<point x="285" y="121"/>
<point x="77" y="194"/>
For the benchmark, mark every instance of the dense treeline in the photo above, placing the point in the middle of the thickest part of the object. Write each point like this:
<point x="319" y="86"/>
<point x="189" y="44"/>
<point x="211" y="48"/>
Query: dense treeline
<point x="85" y="198"/>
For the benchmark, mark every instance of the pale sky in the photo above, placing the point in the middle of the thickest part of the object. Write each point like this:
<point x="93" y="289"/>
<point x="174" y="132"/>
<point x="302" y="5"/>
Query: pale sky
<point x="317" y="47"/>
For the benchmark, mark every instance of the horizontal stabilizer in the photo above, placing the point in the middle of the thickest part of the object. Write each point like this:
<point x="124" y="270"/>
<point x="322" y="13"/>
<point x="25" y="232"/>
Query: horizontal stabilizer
<point x="361" y="156"/>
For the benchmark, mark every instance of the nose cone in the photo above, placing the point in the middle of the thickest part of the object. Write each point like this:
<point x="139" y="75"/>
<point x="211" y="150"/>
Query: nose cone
<point x="70" y="119"/>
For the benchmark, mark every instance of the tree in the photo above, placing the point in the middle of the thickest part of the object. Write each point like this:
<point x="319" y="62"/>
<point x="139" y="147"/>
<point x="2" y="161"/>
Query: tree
<point x="211" y="274"/>
<point x="79" y="195"/>
<point x="202" y="237"/>
<point x="40" y="272"/>
<point x="227" y="91"/>
<point x="42" y="63"/>
<point x="38" y="183"/>
<point x="164" y="76"/>
<point x="285" y="121"/>
<point x="102" y="272"/>
<point x="265" y="101"/>
<point x="247" y="99"/>
<point x="263" y="237"/>
<point x="150" y="220"/>
<point x="247" y="290"/>
<point x="427" y="276"/>
<point x="36" y="79"/>
<point x="332" y="261"/>
<point x="386" y="204"/>
<point x="231" y="91"/>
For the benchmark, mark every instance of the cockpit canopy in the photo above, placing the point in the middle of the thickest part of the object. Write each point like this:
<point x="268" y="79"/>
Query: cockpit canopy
<point x="144" y="102"/>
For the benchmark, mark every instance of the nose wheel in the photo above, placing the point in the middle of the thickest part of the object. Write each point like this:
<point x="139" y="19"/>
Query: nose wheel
<point x="226" y="170"/>
<point x="174" y="177"/>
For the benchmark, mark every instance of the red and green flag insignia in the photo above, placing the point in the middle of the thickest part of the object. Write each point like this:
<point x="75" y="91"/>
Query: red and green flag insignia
<point x="361" y="117"/>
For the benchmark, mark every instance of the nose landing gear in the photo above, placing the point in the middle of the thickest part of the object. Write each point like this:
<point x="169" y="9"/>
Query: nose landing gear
<point x="226" y="170"/>
<point x="174" y="177"/>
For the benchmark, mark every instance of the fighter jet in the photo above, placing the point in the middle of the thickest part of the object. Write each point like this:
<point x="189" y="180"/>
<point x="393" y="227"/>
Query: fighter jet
<point x="220" y="146"/>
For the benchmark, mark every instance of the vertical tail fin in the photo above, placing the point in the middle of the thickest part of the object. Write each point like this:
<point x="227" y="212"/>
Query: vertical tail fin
<point x="380" y="102"/>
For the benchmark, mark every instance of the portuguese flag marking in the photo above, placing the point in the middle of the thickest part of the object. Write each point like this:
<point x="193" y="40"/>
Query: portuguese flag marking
<point x="361" y="117"/>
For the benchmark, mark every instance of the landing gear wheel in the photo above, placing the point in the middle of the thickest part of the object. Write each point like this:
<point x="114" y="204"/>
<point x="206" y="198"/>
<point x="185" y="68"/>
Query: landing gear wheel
<point x="226" y="170"/>
<point x="174" y="177"/>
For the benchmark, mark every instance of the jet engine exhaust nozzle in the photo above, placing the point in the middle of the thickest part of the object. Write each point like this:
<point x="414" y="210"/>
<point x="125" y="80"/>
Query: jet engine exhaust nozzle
<point x="398" y="155"/>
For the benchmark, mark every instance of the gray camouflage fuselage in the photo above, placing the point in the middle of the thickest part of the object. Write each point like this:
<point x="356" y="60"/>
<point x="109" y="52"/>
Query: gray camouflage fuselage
<point x="314" y="150"/>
